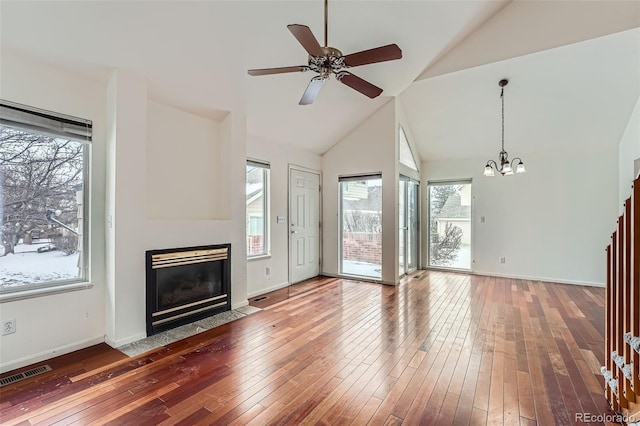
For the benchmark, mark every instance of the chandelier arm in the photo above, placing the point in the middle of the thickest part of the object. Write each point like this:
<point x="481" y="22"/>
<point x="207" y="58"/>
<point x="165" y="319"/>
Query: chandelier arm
<point x="493" y="164"/>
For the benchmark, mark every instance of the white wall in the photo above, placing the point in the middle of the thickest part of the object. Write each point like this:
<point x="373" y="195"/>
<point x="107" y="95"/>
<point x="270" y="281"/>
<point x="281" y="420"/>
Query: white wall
<point x="136" y="229"/>
<point x="125" y="304"/>
<point x="551" y="223"/>
<point x="280" y="157"/>
<point x="173" y="137"/>
<point x="369" y="148"/>
<point x="113" y="309"/>
<point x="51" y="325"/>
<point x="401" y="120"/>
<point x="628" y="152"/>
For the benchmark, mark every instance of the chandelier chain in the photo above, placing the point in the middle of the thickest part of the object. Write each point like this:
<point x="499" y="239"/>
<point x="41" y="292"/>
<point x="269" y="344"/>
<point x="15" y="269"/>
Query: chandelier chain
<point x="502" y="99"/>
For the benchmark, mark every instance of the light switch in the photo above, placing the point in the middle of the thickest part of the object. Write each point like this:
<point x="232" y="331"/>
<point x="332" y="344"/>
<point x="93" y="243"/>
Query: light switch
<point x="281" y="220"/>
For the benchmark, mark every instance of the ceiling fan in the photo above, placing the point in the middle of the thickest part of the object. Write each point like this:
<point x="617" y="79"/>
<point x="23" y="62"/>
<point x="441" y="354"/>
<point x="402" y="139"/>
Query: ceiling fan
<point x="329" y="60"/>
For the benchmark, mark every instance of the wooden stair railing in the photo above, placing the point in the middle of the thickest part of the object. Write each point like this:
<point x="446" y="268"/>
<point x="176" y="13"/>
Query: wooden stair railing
<point x="621" y="368"/>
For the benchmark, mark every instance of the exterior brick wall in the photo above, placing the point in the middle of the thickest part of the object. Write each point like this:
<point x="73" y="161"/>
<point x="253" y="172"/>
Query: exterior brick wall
<point x="254" y="245"/>
<point x="356" y="246"/>
<point x="362" y="247"/>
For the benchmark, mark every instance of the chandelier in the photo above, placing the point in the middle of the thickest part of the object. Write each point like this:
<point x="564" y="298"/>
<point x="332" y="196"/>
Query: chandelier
<point x="505" y="168"/>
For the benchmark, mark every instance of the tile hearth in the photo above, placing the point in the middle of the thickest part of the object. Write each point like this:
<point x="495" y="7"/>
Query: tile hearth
<point x="184" y="331"/>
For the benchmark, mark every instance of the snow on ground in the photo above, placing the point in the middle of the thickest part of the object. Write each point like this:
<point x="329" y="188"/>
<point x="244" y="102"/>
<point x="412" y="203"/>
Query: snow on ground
<point x="361" y="269"/>
<point x="27" y="266"/>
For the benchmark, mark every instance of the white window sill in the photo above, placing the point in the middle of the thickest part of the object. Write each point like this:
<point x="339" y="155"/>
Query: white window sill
<point x="44" y="291"/>
<point x="260" y="257"/>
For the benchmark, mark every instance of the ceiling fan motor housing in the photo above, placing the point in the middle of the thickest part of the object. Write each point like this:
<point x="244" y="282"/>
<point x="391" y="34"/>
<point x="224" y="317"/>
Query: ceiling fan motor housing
<point x="332" y="61"/>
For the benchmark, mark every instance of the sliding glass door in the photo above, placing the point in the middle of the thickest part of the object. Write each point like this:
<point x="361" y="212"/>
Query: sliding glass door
<point x="450" y="224"/>
<point x="361" y="226"/>
<point x="408" y="216"/>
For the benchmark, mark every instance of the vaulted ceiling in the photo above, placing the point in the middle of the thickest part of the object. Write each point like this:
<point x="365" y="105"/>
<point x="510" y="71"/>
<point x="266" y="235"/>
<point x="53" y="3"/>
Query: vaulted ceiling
<point x="569" y="62"/>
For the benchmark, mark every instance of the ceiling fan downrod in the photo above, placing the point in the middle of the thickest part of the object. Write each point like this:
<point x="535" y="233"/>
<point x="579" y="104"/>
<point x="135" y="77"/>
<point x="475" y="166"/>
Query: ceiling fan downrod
<point x="326" y="24"/>
<point x="325" y="60"/>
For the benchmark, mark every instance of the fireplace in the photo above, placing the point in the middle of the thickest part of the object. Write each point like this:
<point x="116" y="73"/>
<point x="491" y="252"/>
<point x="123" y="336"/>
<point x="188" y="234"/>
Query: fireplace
<point x="187" y="284"/>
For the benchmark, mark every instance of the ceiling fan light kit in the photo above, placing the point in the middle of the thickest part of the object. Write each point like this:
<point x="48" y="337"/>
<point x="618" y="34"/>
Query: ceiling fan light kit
<point x="326" y="60"/>
<point x="505" y="168"/>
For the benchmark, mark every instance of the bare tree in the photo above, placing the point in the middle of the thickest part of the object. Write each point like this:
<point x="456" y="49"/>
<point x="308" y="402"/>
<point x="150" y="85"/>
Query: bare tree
<point x="444" y="249"/>
<point x="362" y="221"/>
<point x="439" y="196"/>
<point x="38" y="173"/>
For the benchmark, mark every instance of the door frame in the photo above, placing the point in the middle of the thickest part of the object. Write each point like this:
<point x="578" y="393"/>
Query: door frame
<point x="320" y="237"/>
<point x="405" y="178"/>
<point x="427" y="209"/>
<point x="340" y="254"/>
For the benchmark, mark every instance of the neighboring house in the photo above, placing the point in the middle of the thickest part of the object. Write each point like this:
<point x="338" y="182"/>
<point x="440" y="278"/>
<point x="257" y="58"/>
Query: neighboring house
<point x="457" y="212"/>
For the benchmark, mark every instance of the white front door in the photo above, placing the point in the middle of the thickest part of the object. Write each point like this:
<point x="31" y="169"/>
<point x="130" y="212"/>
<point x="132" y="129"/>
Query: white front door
<point x="304" y="225"/>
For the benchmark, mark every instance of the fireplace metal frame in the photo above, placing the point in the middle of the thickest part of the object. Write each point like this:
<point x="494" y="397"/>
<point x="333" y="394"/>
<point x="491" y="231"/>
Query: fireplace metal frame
<point x="169" y="318"/>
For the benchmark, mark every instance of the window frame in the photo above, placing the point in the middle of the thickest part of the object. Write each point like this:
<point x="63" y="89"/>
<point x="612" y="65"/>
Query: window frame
<point x="403" y="135"/>
<point x="266" y="231"/>
<point x="33" y="120"/>
<point x="343" y="181"/>
<point x="428" y="224"/>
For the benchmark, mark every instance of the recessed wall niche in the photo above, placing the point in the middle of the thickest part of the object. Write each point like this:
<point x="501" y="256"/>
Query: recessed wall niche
<point x="183" y="166"/>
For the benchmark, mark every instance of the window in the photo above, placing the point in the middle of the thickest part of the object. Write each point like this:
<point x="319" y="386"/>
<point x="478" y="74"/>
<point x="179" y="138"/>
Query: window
<point x="405" y="156"/>
<point x="449" y="206"/>
<point x="43" y="172"/>
<point x="361" y="225"/>
<point x="257" y="192"/>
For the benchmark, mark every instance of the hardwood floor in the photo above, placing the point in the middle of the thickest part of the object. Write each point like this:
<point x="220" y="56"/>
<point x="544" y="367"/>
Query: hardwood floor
<point x="442" y="349"/>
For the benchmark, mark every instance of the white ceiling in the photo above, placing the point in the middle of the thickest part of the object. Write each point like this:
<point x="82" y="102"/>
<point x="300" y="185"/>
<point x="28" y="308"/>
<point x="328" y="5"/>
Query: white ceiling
<point x="576" y="97"/>
<point x="195" y="56"/>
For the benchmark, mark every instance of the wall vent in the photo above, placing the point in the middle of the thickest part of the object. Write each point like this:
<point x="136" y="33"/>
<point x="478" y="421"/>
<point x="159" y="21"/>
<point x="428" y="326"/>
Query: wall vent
<point x="260" y="299"/>
<point x="24" y="375"/>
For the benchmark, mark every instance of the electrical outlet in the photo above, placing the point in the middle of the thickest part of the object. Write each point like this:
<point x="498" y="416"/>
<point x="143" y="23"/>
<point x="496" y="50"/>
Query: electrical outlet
<point x="8" y="326"/>
<point x="481" y="219"/>
<point x="503" y="260"/>
<point x="268" y="270"/>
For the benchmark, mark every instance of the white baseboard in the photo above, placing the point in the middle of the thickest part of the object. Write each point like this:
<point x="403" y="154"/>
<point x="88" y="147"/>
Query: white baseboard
<point x="50" y="353"/>
<point x="327" y="274"/>
<point x="239" y="304"/>
<point x="488" y="274"/>
<point x="109" y="341"/>
<point x="268" y="289"/>
<point x="121" y="342"/>
<point x="549" y="280"/>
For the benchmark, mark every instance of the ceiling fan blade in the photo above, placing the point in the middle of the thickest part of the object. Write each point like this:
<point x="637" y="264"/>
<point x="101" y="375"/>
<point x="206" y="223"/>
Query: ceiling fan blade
<point x="267" y="71"/>
<point x="306" y="38"/>
<point x="312" y="90"/>
<point x="371" y="56"/>
<point x="359" y="84"/>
